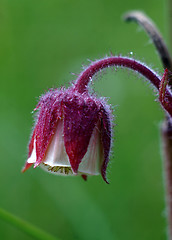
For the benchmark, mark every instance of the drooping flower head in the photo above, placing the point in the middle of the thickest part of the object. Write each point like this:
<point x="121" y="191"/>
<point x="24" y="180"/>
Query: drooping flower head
<point x="73" y="130"/>
<point x="72" y="134"/>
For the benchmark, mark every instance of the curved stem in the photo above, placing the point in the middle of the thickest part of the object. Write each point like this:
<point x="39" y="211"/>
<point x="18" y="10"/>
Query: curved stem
<point x="166" y="133"/>
<point x="166" y="130"/>
<point x="84" y="78"/>
<point x="26" y="227"/>
<point x="154" y="34"/>
<point x="169" y="6"/>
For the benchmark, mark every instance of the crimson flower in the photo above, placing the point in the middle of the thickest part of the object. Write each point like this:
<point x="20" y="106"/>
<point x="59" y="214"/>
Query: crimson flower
<point x="73" y="130"/>
<point x="72" y="134"/>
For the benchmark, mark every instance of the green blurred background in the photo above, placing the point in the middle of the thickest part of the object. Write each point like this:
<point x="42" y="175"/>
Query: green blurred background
<point x="41" y="43"/>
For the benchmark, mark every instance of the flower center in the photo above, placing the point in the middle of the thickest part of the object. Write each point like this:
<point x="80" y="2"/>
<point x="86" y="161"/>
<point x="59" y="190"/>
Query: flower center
<point x="58" y="169"/>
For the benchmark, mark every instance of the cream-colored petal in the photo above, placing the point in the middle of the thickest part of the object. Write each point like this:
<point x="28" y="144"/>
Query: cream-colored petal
<point x="91" y="162"/>
<point x="32" y="158"/>
<point x="56" y="154"/>
<point x="56" y="159"/>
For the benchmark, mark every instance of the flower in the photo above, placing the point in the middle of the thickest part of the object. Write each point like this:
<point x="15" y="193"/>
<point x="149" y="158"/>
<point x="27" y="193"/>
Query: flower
<point x="73" y="130"/>
<point x="72" y="134"/>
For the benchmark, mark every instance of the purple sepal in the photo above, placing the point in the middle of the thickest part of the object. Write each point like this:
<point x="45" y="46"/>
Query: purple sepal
<point x="50" y="111"/>
<point x="106" y="138"/>
<point x="81" y="113"/>
<point x="84" y="177"/>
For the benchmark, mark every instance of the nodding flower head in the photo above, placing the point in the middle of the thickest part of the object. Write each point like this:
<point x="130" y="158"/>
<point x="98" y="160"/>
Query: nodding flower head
<point x="73" y="130"/>
<point x="72" y="135"/>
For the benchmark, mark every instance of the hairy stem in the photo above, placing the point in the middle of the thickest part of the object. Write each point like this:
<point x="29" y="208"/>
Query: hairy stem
<point x="85" y="77"/>
<point x="154" y="34"/>
<point x="170" y="24"/>
<point x="166" y="131"/>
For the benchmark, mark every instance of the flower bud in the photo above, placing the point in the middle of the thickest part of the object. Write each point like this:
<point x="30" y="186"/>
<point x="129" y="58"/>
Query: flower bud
<point x="73" y="130"/>
<point x="72" y="134"/>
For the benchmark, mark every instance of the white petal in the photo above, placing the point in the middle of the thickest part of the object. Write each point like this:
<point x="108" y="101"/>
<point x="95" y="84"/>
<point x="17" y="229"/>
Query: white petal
<point x="56" y="154"/>
<point x="56" y="159"/>
<point x="32" y="158"/>
<point x="91" y="162"/>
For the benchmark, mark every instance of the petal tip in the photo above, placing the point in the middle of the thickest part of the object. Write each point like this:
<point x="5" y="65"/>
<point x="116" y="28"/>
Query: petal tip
<point x="103" y="173"/>
<point x="26" y="167"/>
<point x="84" y="177"/>
<point x="74" y="166"/>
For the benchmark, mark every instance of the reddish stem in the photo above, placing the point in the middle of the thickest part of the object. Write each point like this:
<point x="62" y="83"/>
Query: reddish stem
<point x="87" y="74"/>
<point x="167" y="150"/>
